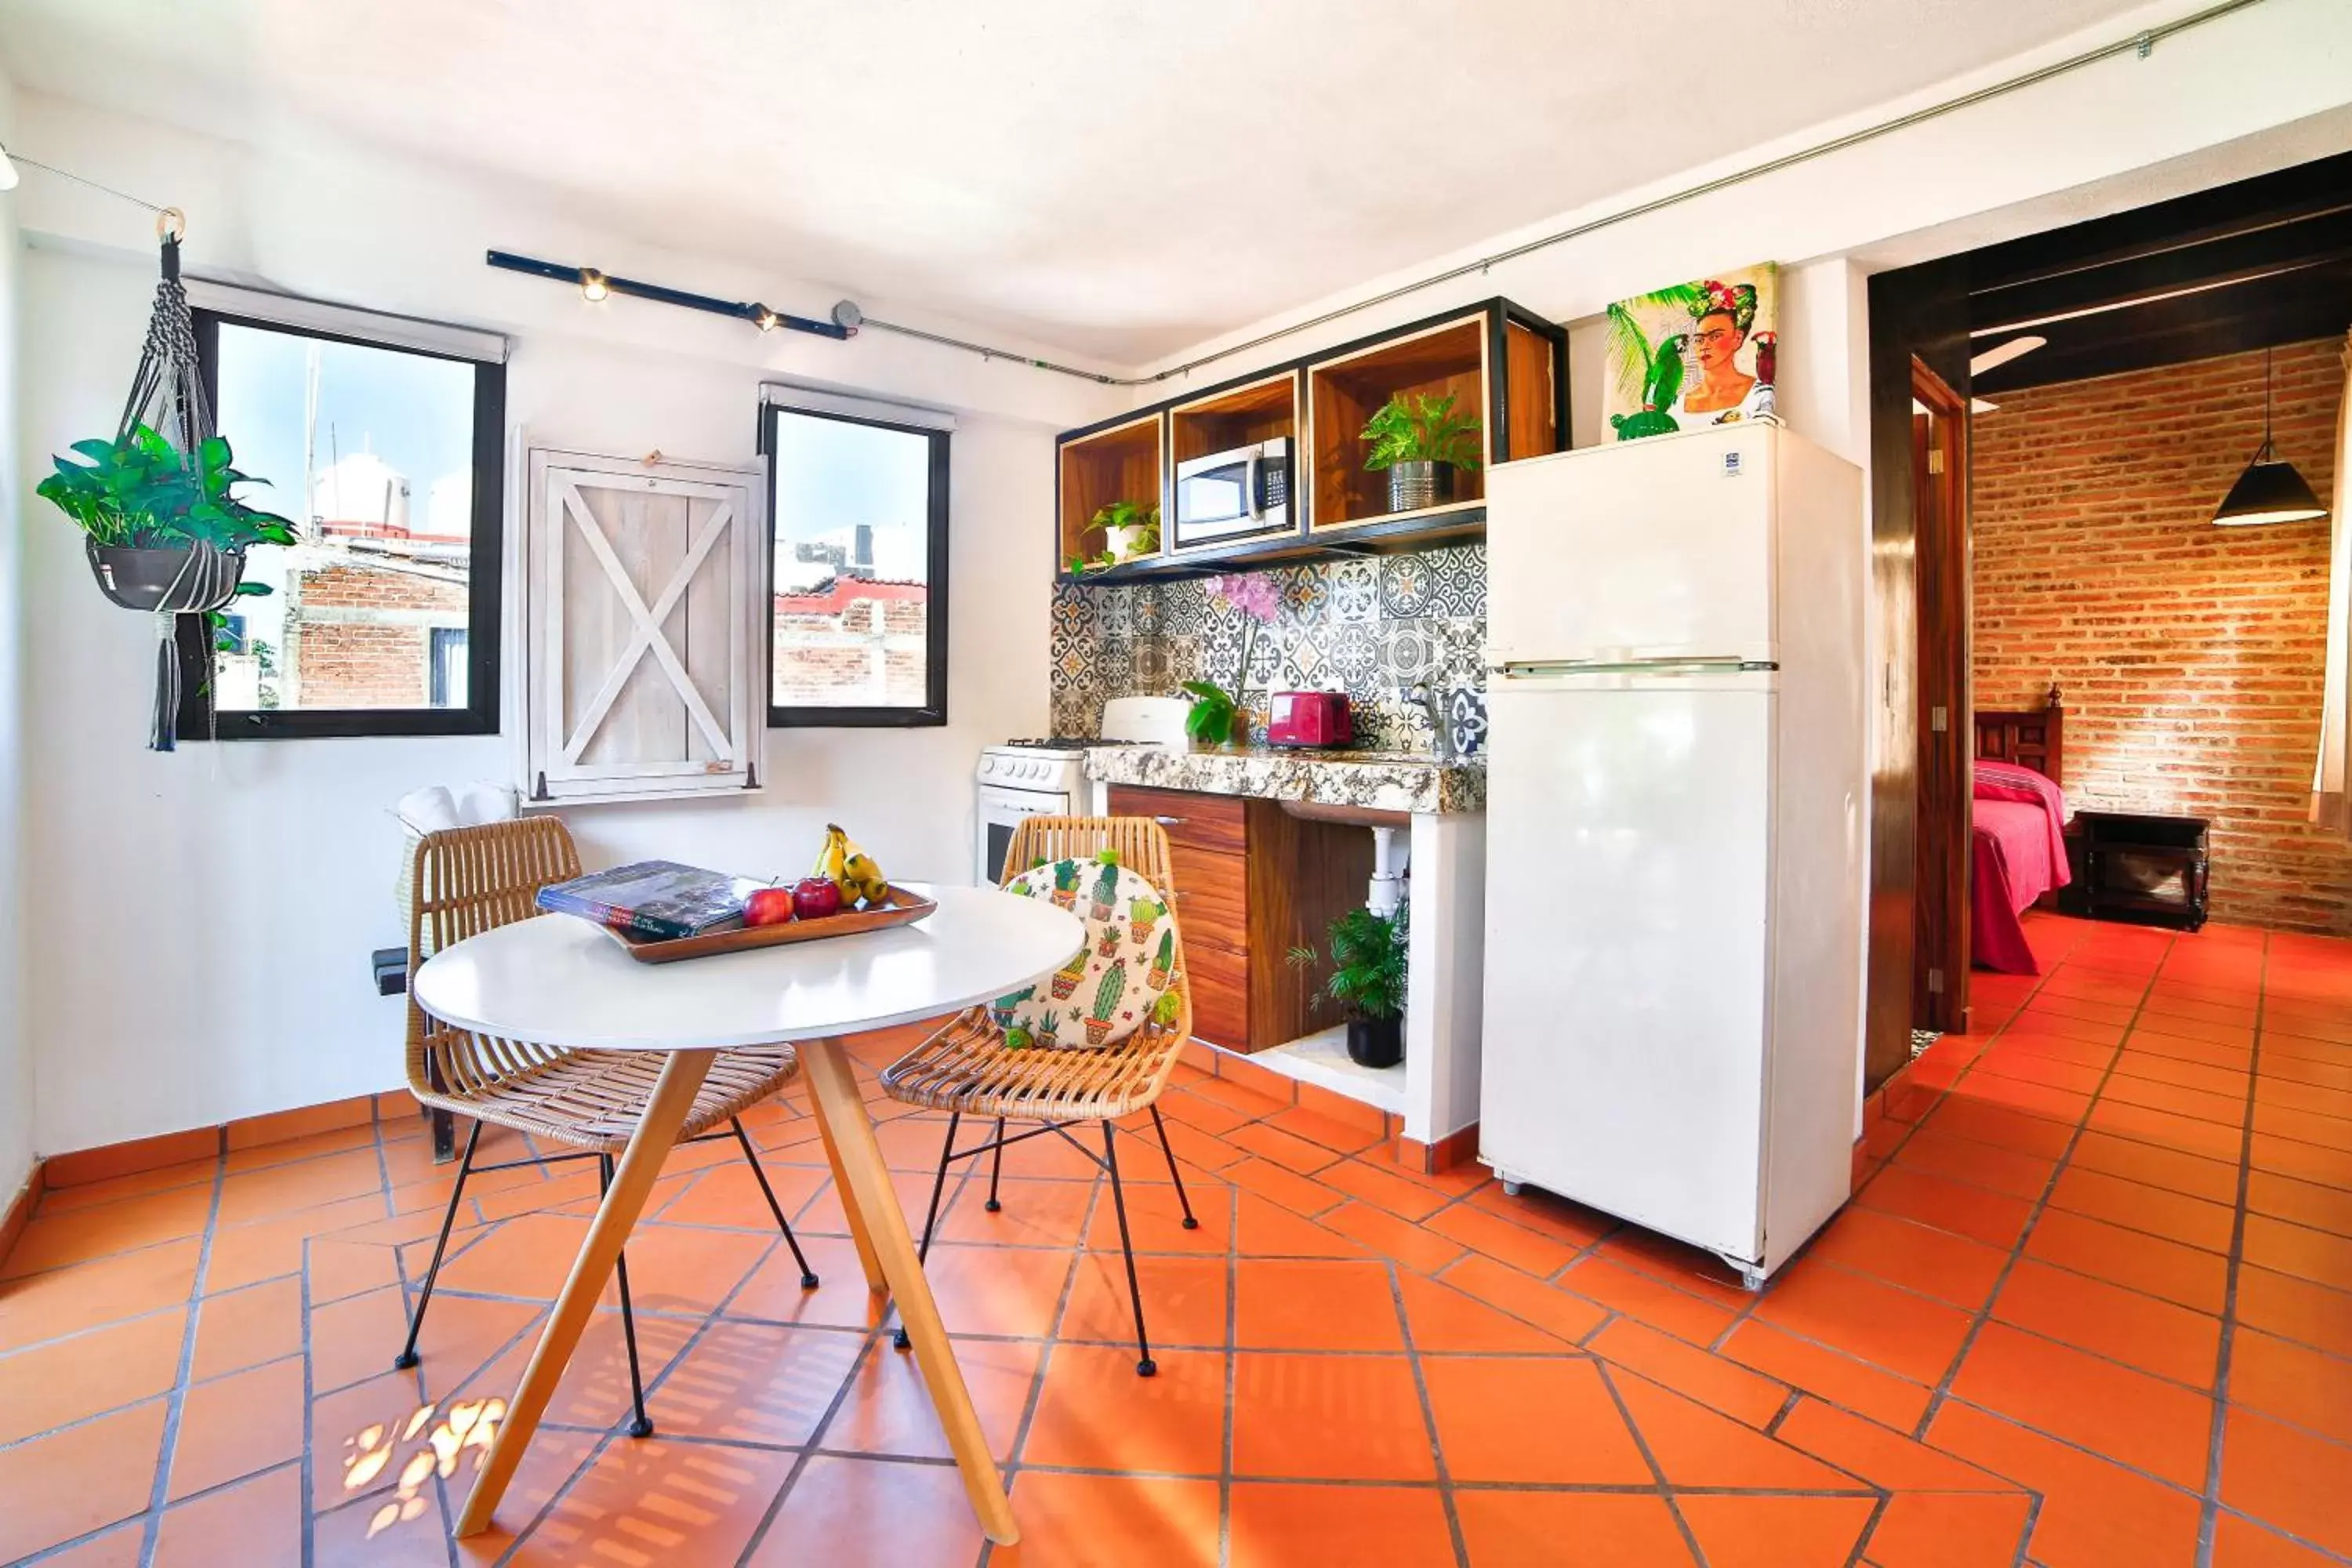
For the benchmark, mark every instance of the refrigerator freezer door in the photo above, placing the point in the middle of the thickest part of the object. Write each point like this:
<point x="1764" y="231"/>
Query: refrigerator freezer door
<point x="1659" y="547"/>
<point x="1627" y="947"/>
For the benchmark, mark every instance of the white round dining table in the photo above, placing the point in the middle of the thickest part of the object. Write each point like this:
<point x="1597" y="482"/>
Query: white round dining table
<point x="560" y="980"/>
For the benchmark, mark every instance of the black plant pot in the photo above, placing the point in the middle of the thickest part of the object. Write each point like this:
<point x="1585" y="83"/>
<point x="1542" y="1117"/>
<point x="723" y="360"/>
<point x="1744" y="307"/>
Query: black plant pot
<point x="164" y="579"/>
<point x="1376" y="1042"/>
<point x="1413" y="486"/>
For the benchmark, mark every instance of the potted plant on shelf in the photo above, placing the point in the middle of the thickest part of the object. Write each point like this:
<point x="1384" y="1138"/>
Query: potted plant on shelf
<point x="1217" y="718"/>
<point x="1368" y="981"/>
<point x="1421" y="441"/>
<point x="163" y="529"/>
<point x="1130" y="531"/>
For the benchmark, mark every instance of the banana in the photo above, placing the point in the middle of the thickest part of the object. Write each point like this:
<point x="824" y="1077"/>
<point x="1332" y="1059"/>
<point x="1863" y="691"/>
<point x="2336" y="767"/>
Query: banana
<point x="832" y="861"/>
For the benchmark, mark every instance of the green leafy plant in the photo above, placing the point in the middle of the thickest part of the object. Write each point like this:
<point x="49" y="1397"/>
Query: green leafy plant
<point x="1368" y="964"/>
<point x="1420" y="430"/>
<point x="141" y="491"/>
<point x="1211" y="717"/>
<point x="1140" y="516"/>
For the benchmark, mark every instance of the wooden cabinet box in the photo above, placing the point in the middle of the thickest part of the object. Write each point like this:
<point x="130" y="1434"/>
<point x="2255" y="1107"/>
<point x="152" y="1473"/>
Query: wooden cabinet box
<point x="1500" y="361"/>
<point x="1253" y="882"/>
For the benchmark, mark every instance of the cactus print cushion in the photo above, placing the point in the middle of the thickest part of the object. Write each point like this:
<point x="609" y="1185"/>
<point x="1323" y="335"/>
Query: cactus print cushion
<point x="1113" y="985"/>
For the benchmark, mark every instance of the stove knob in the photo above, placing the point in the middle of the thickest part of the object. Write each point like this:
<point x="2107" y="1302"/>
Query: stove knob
<point x="987" y="766"/>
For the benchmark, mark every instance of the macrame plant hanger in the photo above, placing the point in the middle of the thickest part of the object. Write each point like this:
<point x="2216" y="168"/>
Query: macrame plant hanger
<point x="167" y="396"/>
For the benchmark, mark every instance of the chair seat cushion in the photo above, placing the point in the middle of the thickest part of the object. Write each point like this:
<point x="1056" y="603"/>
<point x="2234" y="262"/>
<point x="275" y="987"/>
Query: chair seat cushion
<point x="1110" y="986"/>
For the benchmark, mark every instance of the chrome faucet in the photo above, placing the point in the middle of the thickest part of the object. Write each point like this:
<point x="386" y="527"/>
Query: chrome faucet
<point x="1433" y="705"/>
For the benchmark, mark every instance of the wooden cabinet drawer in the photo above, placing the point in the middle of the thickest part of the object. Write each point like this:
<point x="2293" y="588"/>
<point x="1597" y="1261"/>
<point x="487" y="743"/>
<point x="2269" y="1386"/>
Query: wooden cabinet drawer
<point x="1202" y="821"/>
<point x="1219" y="985"/>
<point x="1212" y="897"/>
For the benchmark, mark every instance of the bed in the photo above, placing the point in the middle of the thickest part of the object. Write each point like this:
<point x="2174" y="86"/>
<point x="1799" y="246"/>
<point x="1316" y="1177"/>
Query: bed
<point x="2018" y="844"/>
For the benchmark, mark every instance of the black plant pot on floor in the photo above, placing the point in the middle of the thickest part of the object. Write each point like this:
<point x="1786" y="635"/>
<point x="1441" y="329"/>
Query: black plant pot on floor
<point x="1376" y="1042"/>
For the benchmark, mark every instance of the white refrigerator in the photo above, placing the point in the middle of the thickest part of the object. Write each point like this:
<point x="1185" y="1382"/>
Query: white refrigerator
<point x="1677" y="790"/>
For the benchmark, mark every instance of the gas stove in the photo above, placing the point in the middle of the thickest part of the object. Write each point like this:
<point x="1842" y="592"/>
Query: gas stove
<point x="1045" y="775"/>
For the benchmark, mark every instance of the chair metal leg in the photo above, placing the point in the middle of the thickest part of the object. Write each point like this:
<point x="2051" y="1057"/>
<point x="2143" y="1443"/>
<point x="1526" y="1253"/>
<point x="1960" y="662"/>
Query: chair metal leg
<point x="1145" y="1366"/>
<point x="931" y="1217"/>
<point x="808" y="1275"/>
<point x="996" y="1172"/>
<point x="1173" y="1174"/>
<point x="643" y="1425"/>
<point x="407" y="1356"/>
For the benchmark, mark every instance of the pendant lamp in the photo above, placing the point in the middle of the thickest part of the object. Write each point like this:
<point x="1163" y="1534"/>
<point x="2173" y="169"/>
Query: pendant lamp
<point x="2269" y="490"/>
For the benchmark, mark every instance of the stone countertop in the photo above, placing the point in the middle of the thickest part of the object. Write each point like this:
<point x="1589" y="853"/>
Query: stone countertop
<point x="1382" y="780"/>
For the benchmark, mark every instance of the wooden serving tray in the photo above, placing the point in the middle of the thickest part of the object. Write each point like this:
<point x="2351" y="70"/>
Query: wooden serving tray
<point x="904" y="909"/>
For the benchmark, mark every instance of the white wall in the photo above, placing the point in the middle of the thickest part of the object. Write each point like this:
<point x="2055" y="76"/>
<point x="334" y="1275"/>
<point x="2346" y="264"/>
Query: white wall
<point x="16" y="1140"/>
<point x="207" y="915"/>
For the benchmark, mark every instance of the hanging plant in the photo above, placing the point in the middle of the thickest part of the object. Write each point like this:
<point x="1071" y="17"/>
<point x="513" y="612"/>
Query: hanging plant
<point x="162" y="524"/>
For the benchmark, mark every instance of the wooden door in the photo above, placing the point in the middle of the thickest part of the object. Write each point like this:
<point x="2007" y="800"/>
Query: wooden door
<point x="642" y="667"/>
<point x="1939" y="466"/>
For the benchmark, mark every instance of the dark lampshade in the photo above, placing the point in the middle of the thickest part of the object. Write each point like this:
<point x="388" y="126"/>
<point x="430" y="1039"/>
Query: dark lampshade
<point x="2268" y="491"/>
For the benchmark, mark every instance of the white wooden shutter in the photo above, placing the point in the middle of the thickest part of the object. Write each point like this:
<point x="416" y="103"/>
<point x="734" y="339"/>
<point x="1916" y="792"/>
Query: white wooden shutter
<point x="642" y="670"/>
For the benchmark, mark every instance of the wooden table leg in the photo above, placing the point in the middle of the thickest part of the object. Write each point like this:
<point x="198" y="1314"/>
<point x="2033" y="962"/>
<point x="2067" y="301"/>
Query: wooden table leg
<point x="864" y="1243"/>
<point x="656" y="1134"/>
<point x="865" y="1185"/>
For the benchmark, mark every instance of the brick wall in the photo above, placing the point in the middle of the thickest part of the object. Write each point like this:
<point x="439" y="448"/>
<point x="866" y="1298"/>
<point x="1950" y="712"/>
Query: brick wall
<point x="2191" y="656"/>
<point x="825" y="658"/>
<point x="353" y="663"/>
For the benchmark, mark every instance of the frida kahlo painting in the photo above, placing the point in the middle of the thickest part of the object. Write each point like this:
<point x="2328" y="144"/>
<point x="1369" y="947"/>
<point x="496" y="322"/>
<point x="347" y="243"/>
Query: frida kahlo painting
<point x="1694" y="354"/>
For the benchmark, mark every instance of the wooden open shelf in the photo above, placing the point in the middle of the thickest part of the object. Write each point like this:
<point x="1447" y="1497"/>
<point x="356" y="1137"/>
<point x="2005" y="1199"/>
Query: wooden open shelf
<point x="1499" y="360"/>
<point x="1343" y="392"/>
<point x="1242" y="415"/>
<point x="1119" y="462"/>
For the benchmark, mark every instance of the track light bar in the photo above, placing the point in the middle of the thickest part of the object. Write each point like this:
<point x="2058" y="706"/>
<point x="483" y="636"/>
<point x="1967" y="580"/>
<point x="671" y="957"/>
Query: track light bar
<point x="595" y="285"/>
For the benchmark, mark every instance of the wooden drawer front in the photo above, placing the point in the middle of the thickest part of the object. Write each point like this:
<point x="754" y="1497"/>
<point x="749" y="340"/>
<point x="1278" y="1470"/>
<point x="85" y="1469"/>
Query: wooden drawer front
<point x="1220" y="982"/>
<point x="1202" y="821"/>
<point x="1212" y="898"/>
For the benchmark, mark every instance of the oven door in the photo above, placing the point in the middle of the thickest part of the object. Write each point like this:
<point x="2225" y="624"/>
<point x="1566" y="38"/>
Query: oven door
<point x="1224" y="496"/>
<point x="1000" y="811"/>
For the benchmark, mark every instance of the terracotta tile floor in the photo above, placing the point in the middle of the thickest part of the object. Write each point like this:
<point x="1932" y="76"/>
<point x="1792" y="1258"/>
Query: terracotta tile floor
<point x="2094" y="1307"/>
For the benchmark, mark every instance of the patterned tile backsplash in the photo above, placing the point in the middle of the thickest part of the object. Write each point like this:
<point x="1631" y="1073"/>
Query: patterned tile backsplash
<point x="1370" y="626"/>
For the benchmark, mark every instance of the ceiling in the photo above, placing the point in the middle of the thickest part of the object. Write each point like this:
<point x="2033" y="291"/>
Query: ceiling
<point x="2252" y="264"/>
<point x="1113" y="178"/>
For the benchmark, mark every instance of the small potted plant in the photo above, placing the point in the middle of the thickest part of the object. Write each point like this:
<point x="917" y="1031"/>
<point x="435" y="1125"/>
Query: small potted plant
<point x="1421" y="441"/>
<point x="163" y="529"/>
<point x="1129" y="530"/>
<point x="1217" y="718"/>
<point x="1367" y="979"/>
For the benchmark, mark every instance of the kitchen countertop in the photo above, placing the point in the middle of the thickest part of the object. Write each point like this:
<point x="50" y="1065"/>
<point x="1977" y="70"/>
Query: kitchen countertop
<point x="1382" y="780"/>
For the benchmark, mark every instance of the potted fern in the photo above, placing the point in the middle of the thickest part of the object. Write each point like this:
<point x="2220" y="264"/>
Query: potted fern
<point x="1421" y="441"/>
<point x="1368" y="982"/>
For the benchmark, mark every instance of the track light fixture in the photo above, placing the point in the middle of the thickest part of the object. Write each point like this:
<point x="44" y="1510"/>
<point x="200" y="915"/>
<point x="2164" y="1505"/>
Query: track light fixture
<point x="595" y="284"/>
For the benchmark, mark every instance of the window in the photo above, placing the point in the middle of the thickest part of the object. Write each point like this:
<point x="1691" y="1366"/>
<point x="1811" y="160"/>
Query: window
<point x="384" y="440"/>
<point x="858" y="603"/>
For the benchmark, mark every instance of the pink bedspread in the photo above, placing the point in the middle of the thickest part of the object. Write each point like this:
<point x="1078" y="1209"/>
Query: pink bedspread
<point x="2019" y="853"/>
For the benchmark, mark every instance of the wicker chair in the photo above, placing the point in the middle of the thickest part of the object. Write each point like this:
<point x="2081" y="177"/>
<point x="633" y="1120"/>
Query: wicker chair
<point x="473" y="879"/>
<point x="965" y="1069"/>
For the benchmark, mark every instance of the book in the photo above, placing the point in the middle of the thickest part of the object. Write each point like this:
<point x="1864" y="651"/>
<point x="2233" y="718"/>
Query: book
<point x="657" y="898"/>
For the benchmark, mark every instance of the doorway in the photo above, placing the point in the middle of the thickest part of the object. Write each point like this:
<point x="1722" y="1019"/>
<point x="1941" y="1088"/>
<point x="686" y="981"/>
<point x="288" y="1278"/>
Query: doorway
<point x="1939" y="503"/>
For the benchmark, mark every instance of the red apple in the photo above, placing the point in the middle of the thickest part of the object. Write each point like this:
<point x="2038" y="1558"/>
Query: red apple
<point x="814" y="897"/>
<point x="768" y="907"/>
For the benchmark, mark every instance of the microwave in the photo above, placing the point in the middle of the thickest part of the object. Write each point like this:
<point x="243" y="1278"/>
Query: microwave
<point x="1241" y="494"/>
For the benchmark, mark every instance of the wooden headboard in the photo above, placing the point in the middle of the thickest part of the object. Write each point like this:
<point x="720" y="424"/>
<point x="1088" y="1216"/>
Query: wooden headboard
<point x="2030" y="737"/>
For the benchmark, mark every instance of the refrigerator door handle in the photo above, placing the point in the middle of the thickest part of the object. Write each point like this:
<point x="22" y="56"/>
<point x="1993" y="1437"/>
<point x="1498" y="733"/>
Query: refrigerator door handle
<point x="1551" y="669"/>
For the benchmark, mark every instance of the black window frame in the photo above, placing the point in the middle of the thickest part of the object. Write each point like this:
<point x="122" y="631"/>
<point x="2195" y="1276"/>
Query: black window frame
<point x="485" y="565"/>
<point x="933" y="712"/>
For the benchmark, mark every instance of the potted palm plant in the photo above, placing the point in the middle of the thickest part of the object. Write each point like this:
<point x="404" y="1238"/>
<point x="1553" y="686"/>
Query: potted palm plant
<point x="1421" y="441"/>
<point x="1368" y="982"/>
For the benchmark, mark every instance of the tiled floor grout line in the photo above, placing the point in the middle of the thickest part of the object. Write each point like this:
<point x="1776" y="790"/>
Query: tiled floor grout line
<point x="2208" y="1514"/>
<point x="173" y="1410"/>
<point x="1983" y="1314"/>
<point x="1012" y="1466"/>
<point x="1428" y="1417"/>
<point x="1665" y="1490"/>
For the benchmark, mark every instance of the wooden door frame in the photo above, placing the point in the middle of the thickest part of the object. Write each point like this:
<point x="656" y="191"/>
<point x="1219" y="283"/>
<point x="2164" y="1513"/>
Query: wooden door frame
<point x="1939" y="993"/>
<point x="1918" y="312"/>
